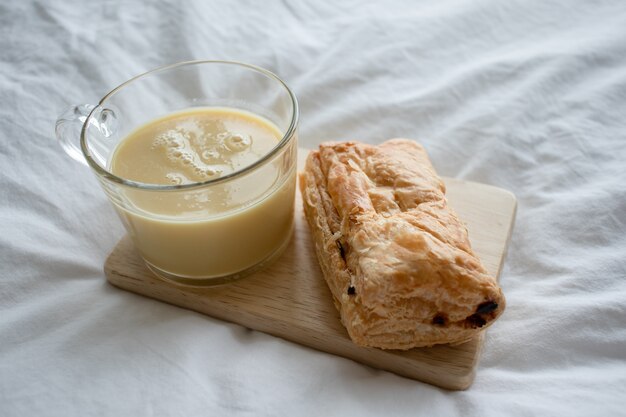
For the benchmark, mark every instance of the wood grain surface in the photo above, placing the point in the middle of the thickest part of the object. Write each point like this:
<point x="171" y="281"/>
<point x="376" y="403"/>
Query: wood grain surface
<point x="290" y="299"/>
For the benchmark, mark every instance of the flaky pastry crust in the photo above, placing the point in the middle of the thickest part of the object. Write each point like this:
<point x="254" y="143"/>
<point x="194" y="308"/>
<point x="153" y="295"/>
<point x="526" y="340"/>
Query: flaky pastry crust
<point x="396" y="258"/>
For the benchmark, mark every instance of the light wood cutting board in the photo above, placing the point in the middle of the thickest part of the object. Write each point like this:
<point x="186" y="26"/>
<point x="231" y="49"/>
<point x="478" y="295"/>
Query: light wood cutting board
<point x="290" y="298"/>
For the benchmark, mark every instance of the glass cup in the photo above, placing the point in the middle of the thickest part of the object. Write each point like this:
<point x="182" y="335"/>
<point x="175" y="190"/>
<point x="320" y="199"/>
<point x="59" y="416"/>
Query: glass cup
<point x="200" y="244"/>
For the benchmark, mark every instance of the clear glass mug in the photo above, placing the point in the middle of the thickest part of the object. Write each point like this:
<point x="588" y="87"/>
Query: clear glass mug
<point x="199" y="245"/>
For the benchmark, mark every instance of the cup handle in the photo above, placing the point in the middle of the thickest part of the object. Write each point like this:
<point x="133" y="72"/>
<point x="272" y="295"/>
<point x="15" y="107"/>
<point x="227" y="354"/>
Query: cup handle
<point x="68" y="128"/>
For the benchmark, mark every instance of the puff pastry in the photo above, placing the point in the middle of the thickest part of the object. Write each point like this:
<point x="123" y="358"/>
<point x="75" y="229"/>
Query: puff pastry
<point x="396" y="258"/>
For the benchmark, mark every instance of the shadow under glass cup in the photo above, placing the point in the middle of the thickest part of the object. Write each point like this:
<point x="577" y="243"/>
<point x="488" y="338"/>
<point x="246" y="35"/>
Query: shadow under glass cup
<point x="201" y="242"/>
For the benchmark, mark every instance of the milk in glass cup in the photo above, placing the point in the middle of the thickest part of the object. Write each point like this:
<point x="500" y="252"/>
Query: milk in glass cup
<point x="199" y="160"/>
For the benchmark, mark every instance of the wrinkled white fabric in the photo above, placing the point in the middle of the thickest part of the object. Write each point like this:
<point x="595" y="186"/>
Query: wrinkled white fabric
<point x="528" y="95"/>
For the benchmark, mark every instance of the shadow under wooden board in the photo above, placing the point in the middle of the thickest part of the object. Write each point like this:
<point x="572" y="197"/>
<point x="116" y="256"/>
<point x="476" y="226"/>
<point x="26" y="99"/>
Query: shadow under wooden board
<point x="290" y="299"/>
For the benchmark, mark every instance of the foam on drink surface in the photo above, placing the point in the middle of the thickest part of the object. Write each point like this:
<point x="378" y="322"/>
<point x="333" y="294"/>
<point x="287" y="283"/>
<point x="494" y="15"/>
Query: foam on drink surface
<point x="193" y="146"/>
<point x="198" y="153"/>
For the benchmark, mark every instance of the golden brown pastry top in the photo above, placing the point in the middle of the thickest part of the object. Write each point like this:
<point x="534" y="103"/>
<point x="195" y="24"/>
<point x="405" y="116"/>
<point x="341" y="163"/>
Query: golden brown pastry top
<point x="407" y="254"/>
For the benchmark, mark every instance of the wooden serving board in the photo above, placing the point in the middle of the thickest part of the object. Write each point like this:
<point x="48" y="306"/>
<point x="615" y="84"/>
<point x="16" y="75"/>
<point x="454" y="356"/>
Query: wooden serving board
<point x="290" y="299"/>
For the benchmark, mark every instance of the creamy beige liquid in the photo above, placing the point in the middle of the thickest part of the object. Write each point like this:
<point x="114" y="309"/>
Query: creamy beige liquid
<point x="209" y="231"/>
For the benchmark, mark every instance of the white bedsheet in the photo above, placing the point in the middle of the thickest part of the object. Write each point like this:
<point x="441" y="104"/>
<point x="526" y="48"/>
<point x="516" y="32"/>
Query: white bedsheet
<point x="528" y="95"/>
